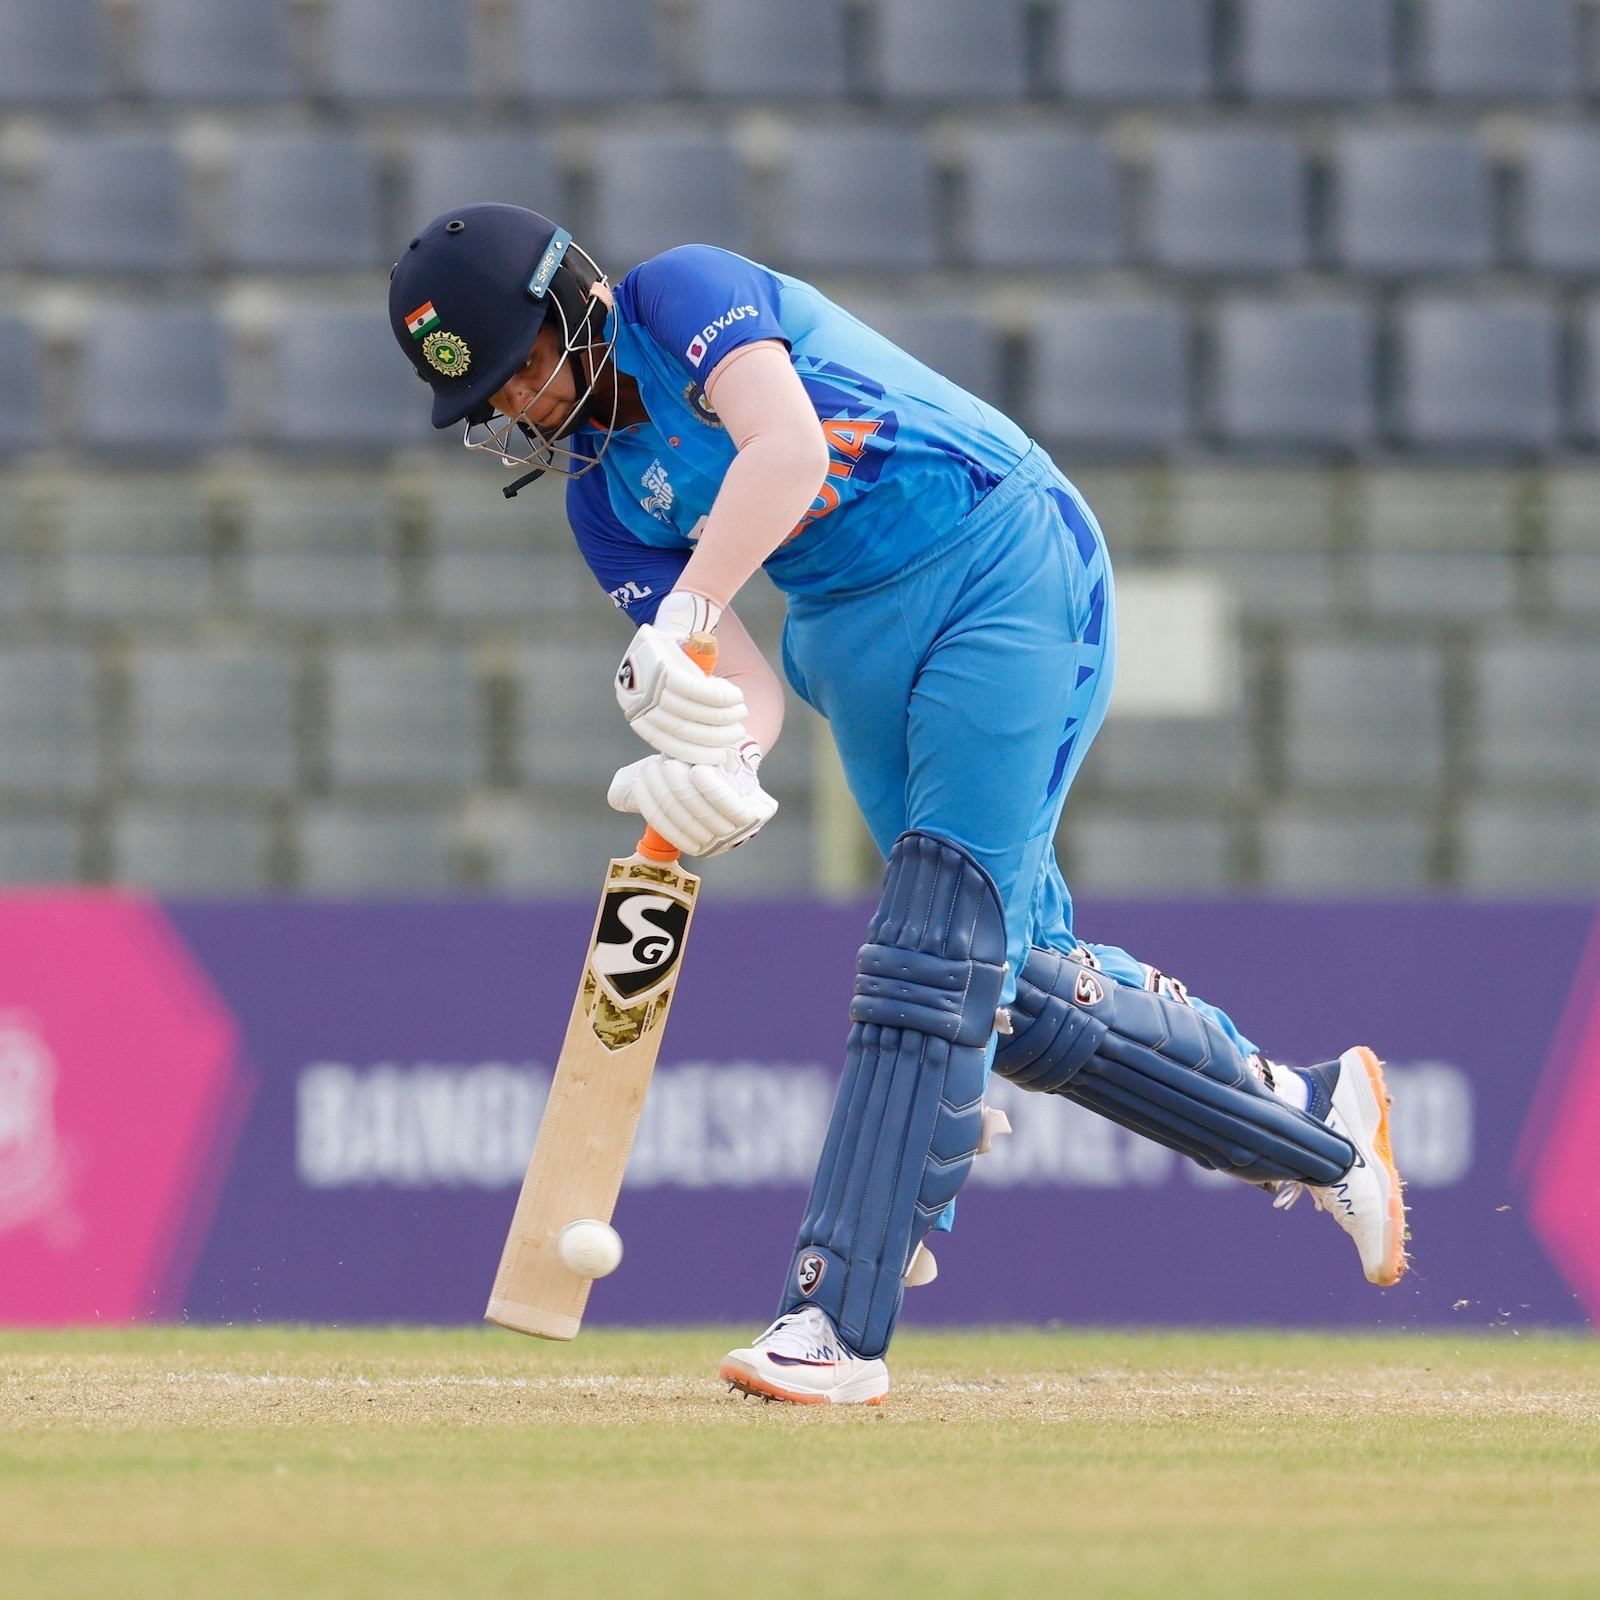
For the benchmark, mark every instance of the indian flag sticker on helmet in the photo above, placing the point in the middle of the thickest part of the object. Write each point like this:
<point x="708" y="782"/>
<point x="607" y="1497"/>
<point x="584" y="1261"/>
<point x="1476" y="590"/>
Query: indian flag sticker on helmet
<point x="447" y="353"/>
<point x="421" y="320"/>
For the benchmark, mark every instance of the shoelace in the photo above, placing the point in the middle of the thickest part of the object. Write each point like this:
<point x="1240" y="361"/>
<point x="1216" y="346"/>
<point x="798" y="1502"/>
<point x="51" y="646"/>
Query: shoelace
<point x="1287" y="1193"/>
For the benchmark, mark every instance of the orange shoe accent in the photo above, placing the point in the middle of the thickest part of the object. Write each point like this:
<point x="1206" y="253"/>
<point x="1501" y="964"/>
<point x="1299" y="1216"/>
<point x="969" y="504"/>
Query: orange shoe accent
<point x="1395" y="1267"/>
<point x="766" y="1391"/>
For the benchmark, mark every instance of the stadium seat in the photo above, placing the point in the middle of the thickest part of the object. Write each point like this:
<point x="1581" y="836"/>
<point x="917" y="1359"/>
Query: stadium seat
<point x="1518" y="845"/>
<point x="1499" y="49"/>
<point x="135" y="546"/>
<point x="223" y="50"/>
<point x="355" y="849"/>
<point x="952" y="50"/>
<point x="341" y="383"/>
<point x="52" y="52"/>
<point x="21" y="387"/>
<point x="1572" y="502"/>
<point x="952" y="339"/>
<point x="1561" y="183"/>
<point x="1313" y="851"/>
<point x="315" y="549"/>
<point x="1169" y="755"/>
<point x="662" y="187"/>
<point x="1539" y="710"/>
<point x="1229" y="201"/>
<point x="1439" y="543"/>
<point x="457" y="169"/>
<point x="770" y="49"/>
<point x="1480" y="373"/>
<point x="39" y="849"/>
<point x="1111" y="372"/>
<point x="1135" y="49"/>
<point x="194" y="849"/>
<point x="1039" y="198"/>
<point x="567" y="722"/>
<point x="1412" y="201"/>
<point x="303" y="203"/>
<point x="856" y="197"/>
<point x="489" y="561"/>
<point x="1116" y="853"/>
<point x="407" y="715"/>
<point x="1296" y="373"/>
<point x="399" y="50"/>
<point x="155" y="380"/>
<point x="589" y="50"/>
<point x="113" y="203"/>
<point x="212" y="718"/>
<point x="1361" y="715"/>
<point x="1306" y="50"/>
<point x="48" y="717"/>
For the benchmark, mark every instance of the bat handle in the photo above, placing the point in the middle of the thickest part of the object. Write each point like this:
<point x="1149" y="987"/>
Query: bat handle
<point x="701" y="648"/>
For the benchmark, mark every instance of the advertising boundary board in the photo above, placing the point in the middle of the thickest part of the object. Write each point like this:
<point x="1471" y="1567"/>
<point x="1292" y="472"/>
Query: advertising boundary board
<point x="320" y="1111"/>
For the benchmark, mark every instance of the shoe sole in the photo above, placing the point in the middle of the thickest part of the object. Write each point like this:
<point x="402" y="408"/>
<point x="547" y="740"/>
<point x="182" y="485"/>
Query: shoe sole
<point x="1395" y="1263"/>
<point x="747" y="1384"/>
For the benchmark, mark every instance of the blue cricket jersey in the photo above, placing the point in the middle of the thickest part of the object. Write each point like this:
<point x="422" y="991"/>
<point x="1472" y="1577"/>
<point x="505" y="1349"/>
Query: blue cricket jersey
<point x="910" y="452"/>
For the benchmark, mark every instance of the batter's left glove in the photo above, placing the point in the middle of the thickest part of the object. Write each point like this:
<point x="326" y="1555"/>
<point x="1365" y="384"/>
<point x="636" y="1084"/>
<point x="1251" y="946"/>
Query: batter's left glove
<point x="704" y="810"/>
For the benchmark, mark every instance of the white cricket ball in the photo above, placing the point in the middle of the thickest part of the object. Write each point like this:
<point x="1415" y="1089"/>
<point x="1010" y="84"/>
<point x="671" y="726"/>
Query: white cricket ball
<point x="589" y="1248"/>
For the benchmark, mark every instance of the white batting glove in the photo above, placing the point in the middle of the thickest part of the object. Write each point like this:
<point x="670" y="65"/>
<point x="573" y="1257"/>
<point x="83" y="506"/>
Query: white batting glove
<point x="668" y="701"/>
<point x="704" y="810"/>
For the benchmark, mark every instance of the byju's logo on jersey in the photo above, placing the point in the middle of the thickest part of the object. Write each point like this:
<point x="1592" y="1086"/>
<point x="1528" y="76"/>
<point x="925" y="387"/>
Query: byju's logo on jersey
<point x="707" y="336"/>
<point x="640" y="940"/>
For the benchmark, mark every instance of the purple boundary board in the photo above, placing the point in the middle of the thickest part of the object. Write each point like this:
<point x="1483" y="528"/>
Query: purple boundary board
<point x="421" y="994"/>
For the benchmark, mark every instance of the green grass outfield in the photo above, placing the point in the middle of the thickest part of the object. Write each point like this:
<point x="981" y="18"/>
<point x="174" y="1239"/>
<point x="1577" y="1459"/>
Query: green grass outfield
<point x="402" y="1463"/>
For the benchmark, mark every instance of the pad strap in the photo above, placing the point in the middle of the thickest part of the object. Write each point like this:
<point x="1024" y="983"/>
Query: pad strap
<point x="1152" y="1063"/>
<point x="909" y="1113"/>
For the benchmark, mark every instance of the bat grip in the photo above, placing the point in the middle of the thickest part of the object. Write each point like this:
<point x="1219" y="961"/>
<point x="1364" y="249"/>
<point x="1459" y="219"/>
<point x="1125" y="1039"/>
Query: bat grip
<point x="701" y="648"/>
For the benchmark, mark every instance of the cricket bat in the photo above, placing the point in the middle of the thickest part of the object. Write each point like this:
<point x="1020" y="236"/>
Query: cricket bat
<point x="597" y="1094"/>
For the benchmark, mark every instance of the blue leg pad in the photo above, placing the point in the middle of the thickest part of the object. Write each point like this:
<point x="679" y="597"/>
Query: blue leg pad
<point x="1151" y="1062"/>
<point x="910" y="1108"/>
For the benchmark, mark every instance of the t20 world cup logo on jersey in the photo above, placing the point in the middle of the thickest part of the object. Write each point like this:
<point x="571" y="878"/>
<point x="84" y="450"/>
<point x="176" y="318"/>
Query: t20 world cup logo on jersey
<point x="31" y="1173"/>
<point x="639" y="942"/>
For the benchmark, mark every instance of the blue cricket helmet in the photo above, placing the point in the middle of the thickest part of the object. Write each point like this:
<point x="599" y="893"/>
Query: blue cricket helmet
<point x="468" y="298"/>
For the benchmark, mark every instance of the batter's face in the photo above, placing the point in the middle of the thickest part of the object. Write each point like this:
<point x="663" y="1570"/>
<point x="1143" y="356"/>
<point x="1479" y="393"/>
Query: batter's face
<point x="542" y="392"/>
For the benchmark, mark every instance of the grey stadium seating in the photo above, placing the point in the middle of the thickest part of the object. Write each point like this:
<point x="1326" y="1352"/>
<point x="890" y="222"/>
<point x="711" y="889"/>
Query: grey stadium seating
<point x="1229" y="201"/>
<point x="1295" y="373"/>
<point x="455" y="169"/>
<point x="1517" y="845"/>
<point x="1412" y="201"/>
<point x="952" y="339"/>
<point x="341" y="383"/>
<point x="39" y="849"/>
<point x="48" y="717"/>
<point x="1135" y="49"/>
<point x="1113" y="373"/>
<point x="217" y="50"/>
<point x="952" y="50"/>
<point x="400" y="50"/>
<point x="1480" y="373"/>
<point x="856" y="197"/>
<point x="315" y="549"/>
<point x="135" y="547"/>
<point x="405" y="715"/>
<point x="52" y="52"/>
<point x="1572" y="501"/>
<point x="1561" y="184"/>
<point x="212" y="719"/>
<point x="1499" y="49"/>
<point x="350" y="849"/>
<point x="1439" y="544"/>
<point x="114" y="203"/>
<point x="1317" y="50"/>
<point x="155" y="380"/>
<point x="568" y="729"/>
<point x="1313" y="851"/>
<point x="589" y="50"/>
<point x="21" y="387"/>
<point x="1114" y="852"/>
<point x="182" y="848"/>
<point x="1539" y="710"/>
<point x="1039" y="198"/>
<point x="770" y="49"/>
<point x="1364" y="715"/>
<point x="303" y="202"/>
<point x="661" y="187"/>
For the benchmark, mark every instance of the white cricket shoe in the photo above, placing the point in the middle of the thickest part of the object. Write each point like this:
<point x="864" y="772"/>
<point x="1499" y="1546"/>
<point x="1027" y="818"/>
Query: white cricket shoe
<point x="800" y="1358"/>
<point x="1367" y="1201"/>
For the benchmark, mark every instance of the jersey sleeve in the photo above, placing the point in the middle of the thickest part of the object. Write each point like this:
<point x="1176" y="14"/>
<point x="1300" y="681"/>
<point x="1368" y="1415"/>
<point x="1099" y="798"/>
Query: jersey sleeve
<point x="701" y="304"/>
<point x="637" y="576"/>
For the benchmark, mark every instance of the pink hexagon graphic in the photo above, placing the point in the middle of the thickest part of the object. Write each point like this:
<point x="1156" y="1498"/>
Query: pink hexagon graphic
<point x="1560" y="1150"/>
<point x="120" y="1093"/>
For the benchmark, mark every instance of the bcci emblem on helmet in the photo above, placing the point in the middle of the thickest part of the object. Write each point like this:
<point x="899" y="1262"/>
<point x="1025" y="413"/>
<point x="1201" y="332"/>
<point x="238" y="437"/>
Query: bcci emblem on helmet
<point x="447" y="353"/>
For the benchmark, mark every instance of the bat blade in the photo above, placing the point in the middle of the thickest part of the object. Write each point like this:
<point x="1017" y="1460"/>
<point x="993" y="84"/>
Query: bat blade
<point x="598" y="1092"/>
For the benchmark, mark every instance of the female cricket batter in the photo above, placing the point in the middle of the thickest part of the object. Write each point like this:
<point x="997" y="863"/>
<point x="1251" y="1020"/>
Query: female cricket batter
<point x="950" y="611"/>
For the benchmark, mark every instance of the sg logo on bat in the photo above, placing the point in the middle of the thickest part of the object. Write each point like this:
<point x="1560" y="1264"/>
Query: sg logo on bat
<point x="639" y="942"/>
